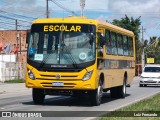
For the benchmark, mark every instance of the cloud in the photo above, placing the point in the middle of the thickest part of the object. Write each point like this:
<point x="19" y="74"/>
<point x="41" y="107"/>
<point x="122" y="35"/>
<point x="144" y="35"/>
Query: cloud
<point x="74" y="5"/>
<point x="136" y="7"/>
<point x="149" y="10"/>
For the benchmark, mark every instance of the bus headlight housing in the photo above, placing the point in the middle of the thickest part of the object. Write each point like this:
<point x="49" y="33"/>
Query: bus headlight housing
<point x="31" y="75"/>
<point x="88" y="75"/>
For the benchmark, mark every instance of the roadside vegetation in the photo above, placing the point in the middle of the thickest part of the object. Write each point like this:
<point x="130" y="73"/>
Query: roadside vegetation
<point x="147" y="106"/>
<point x="15" y="81"/>
<point x="152" y="44"/>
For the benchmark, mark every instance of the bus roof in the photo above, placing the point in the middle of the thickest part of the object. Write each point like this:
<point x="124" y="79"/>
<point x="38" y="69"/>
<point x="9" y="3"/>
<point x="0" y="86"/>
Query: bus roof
<point x="82" y="20"/>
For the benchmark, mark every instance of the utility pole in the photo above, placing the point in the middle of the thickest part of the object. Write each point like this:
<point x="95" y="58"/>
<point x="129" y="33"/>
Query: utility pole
<point x="17" y="45"/>
<point x="143" y="58"/>
<point x="47" y="11"/>
<point x="17" y="38"/>
<point x="82" y="4"/>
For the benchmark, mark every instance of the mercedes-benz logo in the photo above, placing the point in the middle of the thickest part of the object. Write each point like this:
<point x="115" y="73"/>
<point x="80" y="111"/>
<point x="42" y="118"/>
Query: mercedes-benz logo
<point x="58" y="76"/>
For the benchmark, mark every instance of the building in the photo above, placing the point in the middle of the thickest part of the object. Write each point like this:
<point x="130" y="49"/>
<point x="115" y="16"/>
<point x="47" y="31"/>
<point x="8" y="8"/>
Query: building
<point x="9" y="37"/>
<point x="16" y="40"/>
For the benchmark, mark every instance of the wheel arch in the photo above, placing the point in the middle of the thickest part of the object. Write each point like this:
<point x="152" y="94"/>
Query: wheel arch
<point x="101" y="78"/>
<point x="126" y="76"/>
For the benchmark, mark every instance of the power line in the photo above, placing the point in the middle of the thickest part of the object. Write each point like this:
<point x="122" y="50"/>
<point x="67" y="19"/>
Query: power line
<point x="64" y="8"/>
<point x="1" y="11"/>
<point x="18" y="8"/>
<point x="11" y="25"/>
<point x="147" y="34"/>
<point x="7" y="23"/>
<point x="7" y="17"/>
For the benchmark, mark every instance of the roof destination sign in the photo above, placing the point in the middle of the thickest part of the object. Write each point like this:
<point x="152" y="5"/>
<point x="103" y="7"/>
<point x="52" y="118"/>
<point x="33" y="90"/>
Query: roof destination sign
<point x="60" y="27"/>
<point x="66" y="28"/>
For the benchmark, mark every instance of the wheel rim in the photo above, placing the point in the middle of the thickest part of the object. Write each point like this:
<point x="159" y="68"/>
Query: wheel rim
<point x="124" y="88"/>
<point x="99" y="93"/>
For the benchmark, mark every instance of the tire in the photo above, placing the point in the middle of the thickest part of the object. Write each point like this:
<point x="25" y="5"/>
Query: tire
<point x="122" y="90"/>
<point x="119" y="92"/>
<point x="113" y="92"/>
<point x="38" y="96"/>
<point x="140" y="85"/>
<point x="128" y="85"/>
<point x="96" y="95"/>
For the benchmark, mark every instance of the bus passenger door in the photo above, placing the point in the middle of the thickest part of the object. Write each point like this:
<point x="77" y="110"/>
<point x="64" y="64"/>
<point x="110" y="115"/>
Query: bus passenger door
<point x="100" y="51"/>
<point x="101" y="42"/>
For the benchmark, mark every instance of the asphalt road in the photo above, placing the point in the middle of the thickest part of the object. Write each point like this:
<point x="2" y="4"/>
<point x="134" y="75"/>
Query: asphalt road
<point x="20" y="99"/>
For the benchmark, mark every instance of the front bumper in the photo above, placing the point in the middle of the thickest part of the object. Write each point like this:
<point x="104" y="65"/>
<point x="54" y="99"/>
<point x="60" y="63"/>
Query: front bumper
<point x="150" y="81"/>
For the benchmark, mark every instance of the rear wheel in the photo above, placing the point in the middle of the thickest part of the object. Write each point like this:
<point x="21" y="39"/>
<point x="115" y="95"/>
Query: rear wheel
<point x="96" y="95"/>
<point x="122" y="90"/>
<point x="119" y="92"/>
<point x="38" y="95"/>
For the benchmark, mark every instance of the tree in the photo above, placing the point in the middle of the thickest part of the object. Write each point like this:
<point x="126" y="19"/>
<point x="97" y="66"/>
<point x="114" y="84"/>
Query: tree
<point x="134" y="26"/>
<point x="153" y="49"/>
<point x="152" y="39"/>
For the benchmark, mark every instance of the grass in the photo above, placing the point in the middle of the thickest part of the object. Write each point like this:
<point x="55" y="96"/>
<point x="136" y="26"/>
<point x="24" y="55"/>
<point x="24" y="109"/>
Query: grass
<point x="147" y="106"/>
<point x="15" y="81"/>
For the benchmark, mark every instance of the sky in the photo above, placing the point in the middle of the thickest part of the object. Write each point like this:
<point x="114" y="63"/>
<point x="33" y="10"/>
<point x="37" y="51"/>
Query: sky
<point x="25" y="11"/>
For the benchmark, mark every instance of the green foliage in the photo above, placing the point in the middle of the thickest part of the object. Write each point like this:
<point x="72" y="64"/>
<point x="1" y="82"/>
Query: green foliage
<point x="134" y="26"/>
<point x="15" y="81"/>
<point x="150" y="105"/>
<point x="129" y="24"/>
<point x="153" y="49"/>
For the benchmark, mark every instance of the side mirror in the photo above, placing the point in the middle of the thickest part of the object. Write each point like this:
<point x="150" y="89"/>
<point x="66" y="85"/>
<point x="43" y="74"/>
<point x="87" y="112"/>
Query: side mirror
<point x="27" y="36"/>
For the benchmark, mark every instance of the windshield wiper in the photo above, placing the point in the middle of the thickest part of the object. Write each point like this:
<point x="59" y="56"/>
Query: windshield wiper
<point x="44" y="60"/>
<point x="70" y="56"/>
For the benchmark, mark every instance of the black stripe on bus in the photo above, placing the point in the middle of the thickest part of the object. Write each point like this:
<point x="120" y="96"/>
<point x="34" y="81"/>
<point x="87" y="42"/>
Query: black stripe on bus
<point x="115" y="64"/>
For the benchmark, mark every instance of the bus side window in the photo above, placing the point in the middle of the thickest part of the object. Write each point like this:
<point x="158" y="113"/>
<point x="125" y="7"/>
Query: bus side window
<point x="114" y="43"/>
<point x="108" y="42"/>
<point x="125" y="45"/>
<point x="130" y="46"/>
<point x="120" y="44"/>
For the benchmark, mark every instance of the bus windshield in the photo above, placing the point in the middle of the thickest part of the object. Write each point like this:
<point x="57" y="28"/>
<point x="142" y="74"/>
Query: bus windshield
<point x="61" y="45"/>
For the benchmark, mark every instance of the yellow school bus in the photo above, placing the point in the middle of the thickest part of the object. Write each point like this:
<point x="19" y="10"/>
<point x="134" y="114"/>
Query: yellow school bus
<point x="79" y="56"/>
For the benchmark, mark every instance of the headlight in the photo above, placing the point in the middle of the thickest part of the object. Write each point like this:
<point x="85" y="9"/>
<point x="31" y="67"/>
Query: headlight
<point x="88" y="75"/>
<point x="31" y="75"/>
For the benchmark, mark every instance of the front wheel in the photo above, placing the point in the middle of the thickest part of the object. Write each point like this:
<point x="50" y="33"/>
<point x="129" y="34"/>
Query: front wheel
<point x="96" y="95"/>
<point x="38" y="95"/>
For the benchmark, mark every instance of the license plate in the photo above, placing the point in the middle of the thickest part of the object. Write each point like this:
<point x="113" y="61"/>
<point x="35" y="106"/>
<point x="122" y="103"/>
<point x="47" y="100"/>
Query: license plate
<point x="58" y="84"/>
<point x="150" y="80"/>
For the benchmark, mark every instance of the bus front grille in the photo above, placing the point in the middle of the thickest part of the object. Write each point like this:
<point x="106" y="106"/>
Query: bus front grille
<point x="53" y="77"/>
<point x="73" y="76"/>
